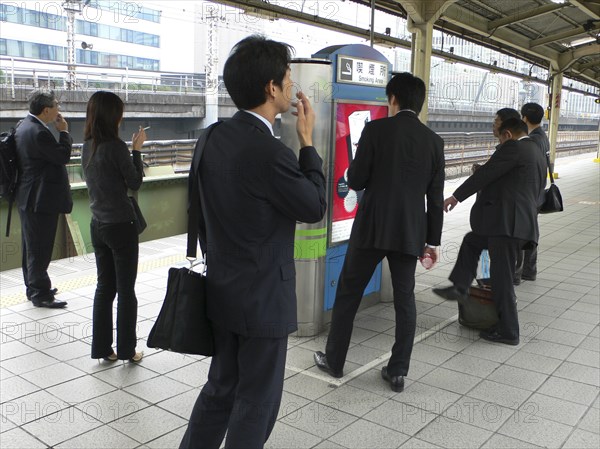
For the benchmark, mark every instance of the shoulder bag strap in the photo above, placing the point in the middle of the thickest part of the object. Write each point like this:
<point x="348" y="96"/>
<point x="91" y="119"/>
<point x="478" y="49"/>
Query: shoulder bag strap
<point x="196" y="195"/>
<point x="549" y="171"/>
<point x="11" y="197"/>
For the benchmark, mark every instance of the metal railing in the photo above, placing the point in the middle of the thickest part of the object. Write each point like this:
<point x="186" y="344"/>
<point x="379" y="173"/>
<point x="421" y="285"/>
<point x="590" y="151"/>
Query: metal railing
<point x="462" y="150"/>
<point x="176" y="154"/>
<point x="54" y="75"/>
<point x="20" y="73"/>
<point x="465" y="149"/>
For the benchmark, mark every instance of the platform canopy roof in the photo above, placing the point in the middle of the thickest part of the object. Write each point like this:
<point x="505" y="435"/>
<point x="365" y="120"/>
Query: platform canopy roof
<point x="561" y="35"/>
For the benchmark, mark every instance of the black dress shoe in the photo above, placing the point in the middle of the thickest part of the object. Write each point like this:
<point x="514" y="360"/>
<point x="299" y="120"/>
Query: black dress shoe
<point x="49" y="303"/>
<point x="531" y="277"/>
<point x="493" y="336"/>
<point x="53" y="291"/>
<point x="396" y="382"/>
<point x="323" y="365"/>
<point x="450" y="293"/>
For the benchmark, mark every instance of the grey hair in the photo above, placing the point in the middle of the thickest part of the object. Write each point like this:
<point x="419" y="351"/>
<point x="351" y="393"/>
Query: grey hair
<point x="40" y="99"/>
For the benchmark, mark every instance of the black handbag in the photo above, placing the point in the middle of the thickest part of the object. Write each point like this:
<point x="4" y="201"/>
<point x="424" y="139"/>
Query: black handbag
<point x="139" y="220"/>
<point x="478" y="311"/>
<point x="182" y="324"/>
<point x="552" y="198"/>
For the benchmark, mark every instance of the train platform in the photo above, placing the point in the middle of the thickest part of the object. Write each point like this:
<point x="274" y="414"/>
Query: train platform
<point x="461" y="391"/>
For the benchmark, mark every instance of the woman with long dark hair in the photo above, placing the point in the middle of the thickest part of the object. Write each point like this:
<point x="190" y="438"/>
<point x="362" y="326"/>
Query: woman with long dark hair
<point x="109" y="170"/>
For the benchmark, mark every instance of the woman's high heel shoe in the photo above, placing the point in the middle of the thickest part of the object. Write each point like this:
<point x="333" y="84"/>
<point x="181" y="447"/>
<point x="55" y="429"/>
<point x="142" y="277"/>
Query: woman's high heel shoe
<point x="137" y="357"/>
<point x="111" y="358"/>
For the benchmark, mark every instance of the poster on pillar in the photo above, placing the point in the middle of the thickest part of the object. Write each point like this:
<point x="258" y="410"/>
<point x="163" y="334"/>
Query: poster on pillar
<point x="350" y="121"/>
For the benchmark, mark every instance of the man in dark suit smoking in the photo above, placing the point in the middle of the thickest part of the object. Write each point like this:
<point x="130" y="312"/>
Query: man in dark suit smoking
<point x="255" y="189"/>
<point x="43" y="191"/>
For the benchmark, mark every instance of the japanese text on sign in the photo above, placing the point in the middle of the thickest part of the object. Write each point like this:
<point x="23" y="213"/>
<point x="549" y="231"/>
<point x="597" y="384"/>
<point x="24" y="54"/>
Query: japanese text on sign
<point x="362" y="71"/>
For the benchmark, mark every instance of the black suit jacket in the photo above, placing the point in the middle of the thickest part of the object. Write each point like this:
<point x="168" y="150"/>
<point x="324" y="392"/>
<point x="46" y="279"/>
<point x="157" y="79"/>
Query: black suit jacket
<point x="539" y="137"/>
<point x="43" y="184"/>
<point x="400" y="163"/>
<point x="510" y="183"/>
<point x="255" y="190"/>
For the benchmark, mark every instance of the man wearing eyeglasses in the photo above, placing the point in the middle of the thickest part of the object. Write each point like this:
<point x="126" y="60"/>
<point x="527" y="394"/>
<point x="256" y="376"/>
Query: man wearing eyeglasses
<point x="43" y="191"/>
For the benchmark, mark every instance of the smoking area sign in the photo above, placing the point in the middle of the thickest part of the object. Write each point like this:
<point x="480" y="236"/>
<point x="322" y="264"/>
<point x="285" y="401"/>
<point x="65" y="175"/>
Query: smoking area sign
<point x="361" y="71"/>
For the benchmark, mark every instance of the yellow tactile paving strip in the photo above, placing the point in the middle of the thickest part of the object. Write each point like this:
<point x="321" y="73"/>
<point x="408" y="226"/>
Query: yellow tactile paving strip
<point x="84" y="281"/>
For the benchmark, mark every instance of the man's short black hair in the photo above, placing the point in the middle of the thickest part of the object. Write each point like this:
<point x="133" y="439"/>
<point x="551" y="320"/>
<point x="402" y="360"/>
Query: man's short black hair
<point x="39" y="100"/>
<point x="534" y="113"/>
<point x="252" y="64"/>
<point x="507" y="113"/>
<point x="515" y="125"/>
<point x="408" y="90"/>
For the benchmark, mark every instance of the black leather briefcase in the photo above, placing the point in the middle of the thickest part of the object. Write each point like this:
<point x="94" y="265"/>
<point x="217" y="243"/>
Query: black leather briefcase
<point x="478" y="311"/>
<point x="182" y="324"/>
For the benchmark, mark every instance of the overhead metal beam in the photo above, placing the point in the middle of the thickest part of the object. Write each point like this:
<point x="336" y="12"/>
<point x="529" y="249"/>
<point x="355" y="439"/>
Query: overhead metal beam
<point x="422" y="11"/>
<point x="484" y="6"/>
<point x="391" y="7"/>
<point x="454" y="18"/>
<point x="587" y="77"/>
<point x="592" y="10"/>
<point x="525" y="15"/>
<point x="259" y="7"/>
<point x="492" y="68"/>
<point x="568" y="58"/>
<point x="561" y="36"/>
<point x="587" y="65"/>
<point x="504" y="37"/>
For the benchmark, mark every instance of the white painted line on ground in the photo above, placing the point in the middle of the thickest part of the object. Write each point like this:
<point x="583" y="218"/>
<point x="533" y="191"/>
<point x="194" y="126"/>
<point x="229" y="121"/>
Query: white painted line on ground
<point x="382" y="358"/>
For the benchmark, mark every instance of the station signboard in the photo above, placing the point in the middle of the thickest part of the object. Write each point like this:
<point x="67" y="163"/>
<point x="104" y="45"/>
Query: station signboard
<point x="364" y="72"/>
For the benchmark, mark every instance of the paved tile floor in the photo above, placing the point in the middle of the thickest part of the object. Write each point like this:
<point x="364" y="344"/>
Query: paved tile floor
<point x="461" y="391"/>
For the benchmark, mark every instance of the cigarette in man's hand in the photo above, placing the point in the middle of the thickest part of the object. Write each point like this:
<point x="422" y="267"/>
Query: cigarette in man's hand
<point x="147" y="127"/>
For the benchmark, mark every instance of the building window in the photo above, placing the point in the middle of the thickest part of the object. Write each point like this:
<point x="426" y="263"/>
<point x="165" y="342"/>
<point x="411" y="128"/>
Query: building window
<point x="116" y="33"/>
<point x="127" y="10"/>
<point x="116" y="61"/>
<point x="22" y="16"/>
<point x="9" y="47"/>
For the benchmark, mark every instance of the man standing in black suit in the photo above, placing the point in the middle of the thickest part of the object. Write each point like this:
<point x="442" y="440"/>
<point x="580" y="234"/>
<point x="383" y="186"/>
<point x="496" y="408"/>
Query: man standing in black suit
<point x="43" y="191"/>
<point x="532" y="114"/>
<point x="503" y="220"/>
<point x="255" y="189"/>
<point x="399" y="162"/>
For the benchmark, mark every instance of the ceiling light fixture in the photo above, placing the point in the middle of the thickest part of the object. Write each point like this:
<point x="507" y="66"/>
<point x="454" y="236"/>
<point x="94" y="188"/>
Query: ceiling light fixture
<point x="583" y="40"/>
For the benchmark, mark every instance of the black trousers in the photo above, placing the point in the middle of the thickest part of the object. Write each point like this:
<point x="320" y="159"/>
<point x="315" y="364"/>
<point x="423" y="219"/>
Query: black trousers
<point x="116" y="251"/>
<point x="503" y="257"/>
<point x="242" y="395"/>
<point x="38" y="232"/>
<point x="358" y="269"/>
<point x="527" y="263"/>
